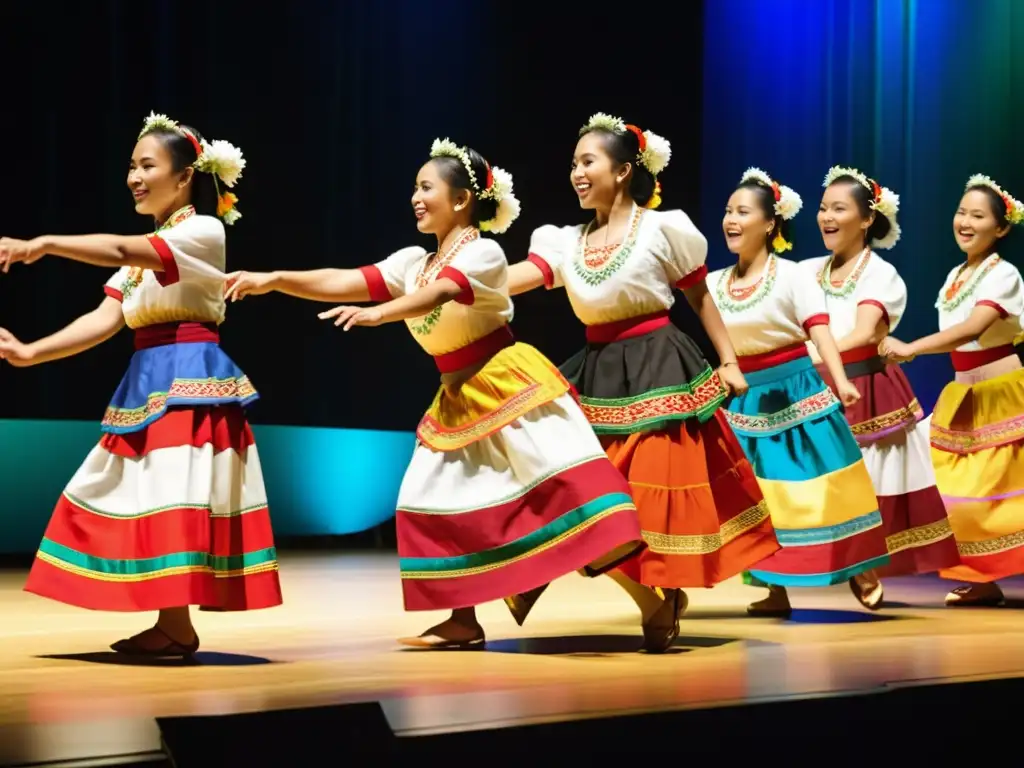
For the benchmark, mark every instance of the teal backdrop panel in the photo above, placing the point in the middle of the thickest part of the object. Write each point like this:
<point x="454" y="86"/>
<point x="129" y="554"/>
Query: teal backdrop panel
<point x="319" y="481"/>
<point x="919" y="94"/>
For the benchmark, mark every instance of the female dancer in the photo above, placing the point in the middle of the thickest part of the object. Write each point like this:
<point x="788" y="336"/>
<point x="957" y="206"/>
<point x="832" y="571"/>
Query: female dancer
<point x="790" y="422"/>
<point x="508" y="488"/>
<point x="169" y="510"/>
<point x="644" y="385"/>
<point x="977" y="427"/>
<point x="866" y="298"/>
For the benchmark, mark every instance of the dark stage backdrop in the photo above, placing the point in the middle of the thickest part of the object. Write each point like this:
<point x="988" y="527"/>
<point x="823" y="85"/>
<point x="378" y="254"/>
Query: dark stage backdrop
<point x="335" y="105"/>
<point x="920" y="94"/>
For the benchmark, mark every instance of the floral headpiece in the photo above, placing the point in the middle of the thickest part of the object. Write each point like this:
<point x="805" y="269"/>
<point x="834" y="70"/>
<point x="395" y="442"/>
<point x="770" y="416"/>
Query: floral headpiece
<point x="655" y="150"/>
<point x="883" y="201"/>
<point x="1014" y="207"/>
<point x="497" y="186"/>
<point x="219" y="158"/>
<point x="787" y="203"/>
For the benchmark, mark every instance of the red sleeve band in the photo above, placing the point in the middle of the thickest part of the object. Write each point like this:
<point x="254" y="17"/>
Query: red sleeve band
<point x="466" y="297"/>
<point x="873" y="303"/>
<point x="375" y="284"/>
<point x="698" y="275"/>
<point x="545" y="269"/>
<point x="995" y="305"/>
<point x="170" y="274"/>
<point x="113" y="293"/>
<point x="813" y="320"/>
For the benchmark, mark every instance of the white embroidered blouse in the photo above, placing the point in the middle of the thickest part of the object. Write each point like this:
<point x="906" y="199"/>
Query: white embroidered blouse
<point x="191" y="286"/>
<point x="872" y="281"/>
<point x="475" y="264"/>
<point x="995" y="283"/>
<point x="661" y="251"/>
<point x="777" y="311"/>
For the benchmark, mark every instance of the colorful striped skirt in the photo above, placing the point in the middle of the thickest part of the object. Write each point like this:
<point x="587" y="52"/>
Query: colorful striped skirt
<point x="507" y="490"/>
<point x="169" y="509"/>
<point x="888" y="424"/>
<point x="977" y="448"/>
<point x="651" y="396"/>
<point x="814" y="479"/>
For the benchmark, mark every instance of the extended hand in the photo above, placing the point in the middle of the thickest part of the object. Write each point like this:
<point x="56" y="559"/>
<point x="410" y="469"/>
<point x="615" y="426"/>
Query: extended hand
<point x="848" y="393"/>
<point x="732" y="379"/>
<point x="238" y="285"/>
<point x="13" y="351"/>
<point x="349" y="316"/>
<point x="26" y="251"/>
<point x="895" y="350"/>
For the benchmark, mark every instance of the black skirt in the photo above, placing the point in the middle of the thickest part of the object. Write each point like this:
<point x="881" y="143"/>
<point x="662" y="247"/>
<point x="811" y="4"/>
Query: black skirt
<point x="643" y="382"/>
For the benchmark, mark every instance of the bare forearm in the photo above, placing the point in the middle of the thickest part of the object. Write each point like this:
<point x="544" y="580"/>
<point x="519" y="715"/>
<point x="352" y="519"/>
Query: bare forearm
<point x="828" y="351"/>
<point x="104" y="250"/>
<point x="86" y="332"/>
<point x="701" y="302"/>
<point x="342" y="286"/>
<point x="421" y="302"/>
<point x="857" y="338"/>
<point x="524" y="276"/>
<point x="956" y="336"/>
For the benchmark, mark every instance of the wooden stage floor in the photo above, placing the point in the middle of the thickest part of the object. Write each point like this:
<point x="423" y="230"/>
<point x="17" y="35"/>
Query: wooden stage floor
<point x="332" y="642"/>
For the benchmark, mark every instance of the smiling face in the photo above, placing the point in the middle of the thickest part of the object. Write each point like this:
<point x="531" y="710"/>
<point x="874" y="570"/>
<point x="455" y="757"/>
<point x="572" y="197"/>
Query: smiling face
<point x="595" y="176"/>
<point x="975" y="226"/>
<point x="843" y="229"/>
<point x="156" y="187"/>
<point x="436" y="203"/>
<point x="745" y="225"/>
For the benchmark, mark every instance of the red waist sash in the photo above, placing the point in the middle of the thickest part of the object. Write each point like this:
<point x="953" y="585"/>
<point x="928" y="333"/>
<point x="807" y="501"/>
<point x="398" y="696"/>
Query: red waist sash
<point x="175" y="333"/>
<point x="631" y="327"/>
<point x="474" y="352"/>
<point x="966" y="361"/>
<point x="750" y="363"/>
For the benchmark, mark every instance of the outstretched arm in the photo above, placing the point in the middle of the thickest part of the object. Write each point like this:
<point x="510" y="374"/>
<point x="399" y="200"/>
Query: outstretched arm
<point x="524" y="276"/>
<point x="88" y="331"/>
<point x="971" y="329"/>
<point x="334" y="285"/>
<point x="416" y="304"/>
<point x="98" y="250"/>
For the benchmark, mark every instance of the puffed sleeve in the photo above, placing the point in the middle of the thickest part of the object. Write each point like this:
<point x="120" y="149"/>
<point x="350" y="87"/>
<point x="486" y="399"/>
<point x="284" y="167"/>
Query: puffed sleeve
<point x="113" y="285"/>
<point x="551" y="248"/>
<point x="1003" y="290"/>
<point x="883" y="287"/>
<point x="681" y="248"/>
<point x="386" y="279"/>
<point x="192" y="251"/>
<point x="481" y="265"/>
<point x="806" y="298"/>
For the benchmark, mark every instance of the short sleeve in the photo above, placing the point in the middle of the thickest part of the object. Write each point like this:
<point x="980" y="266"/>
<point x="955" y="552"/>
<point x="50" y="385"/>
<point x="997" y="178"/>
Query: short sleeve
<point x="551" y="248"/>
<point x="113" y="285"/>
<point x="885" y="289"/>
<point x="807" y="299"/>
<point x="386" y="279"/>
<point x="192" y="251"/>
<point x="1003" y="290"/>
<point x="681" y="248"/>
<point x="479" y="266"/>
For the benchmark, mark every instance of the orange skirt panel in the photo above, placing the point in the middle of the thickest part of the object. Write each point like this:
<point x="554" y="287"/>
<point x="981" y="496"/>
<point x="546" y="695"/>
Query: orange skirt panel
<point x="701" y="510"/>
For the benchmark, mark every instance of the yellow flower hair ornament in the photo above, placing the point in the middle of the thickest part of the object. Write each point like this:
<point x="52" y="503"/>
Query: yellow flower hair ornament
<point x="1014" y="207"/>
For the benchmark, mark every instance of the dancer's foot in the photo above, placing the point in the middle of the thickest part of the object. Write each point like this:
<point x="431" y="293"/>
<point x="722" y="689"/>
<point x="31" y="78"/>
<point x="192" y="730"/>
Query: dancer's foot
<point x="662" y="628"/>
<point x="867" y="588"/>
<point x="156" y="642"/>
<point x="976" y="596"/>
<point x="775" y="606"/>
<point x="453" y="634"/>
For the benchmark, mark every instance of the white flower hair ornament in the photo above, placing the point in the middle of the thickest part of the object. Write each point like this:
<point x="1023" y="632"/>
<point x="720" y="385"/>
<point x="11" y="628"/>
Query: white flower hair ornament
<point x="221" y="159"/>
<point x="655" y="151"/>
<point x="1014" y="207"/>
<point x="497" y="186"/>
<point x="787" y="202"/>
<point x="884" y="201"/>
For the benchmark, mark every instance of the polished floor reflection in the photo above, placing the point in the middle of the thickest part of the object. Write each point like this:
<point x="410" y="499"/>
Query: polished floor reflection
<point x="332" y="642"/>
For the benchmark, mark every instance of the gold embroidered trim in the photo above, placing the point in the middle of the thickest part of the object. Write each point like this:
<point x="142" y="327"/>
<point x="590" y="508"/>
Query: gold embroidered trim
<point x="922" y="536"/>
<point x="709" y="543"/>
